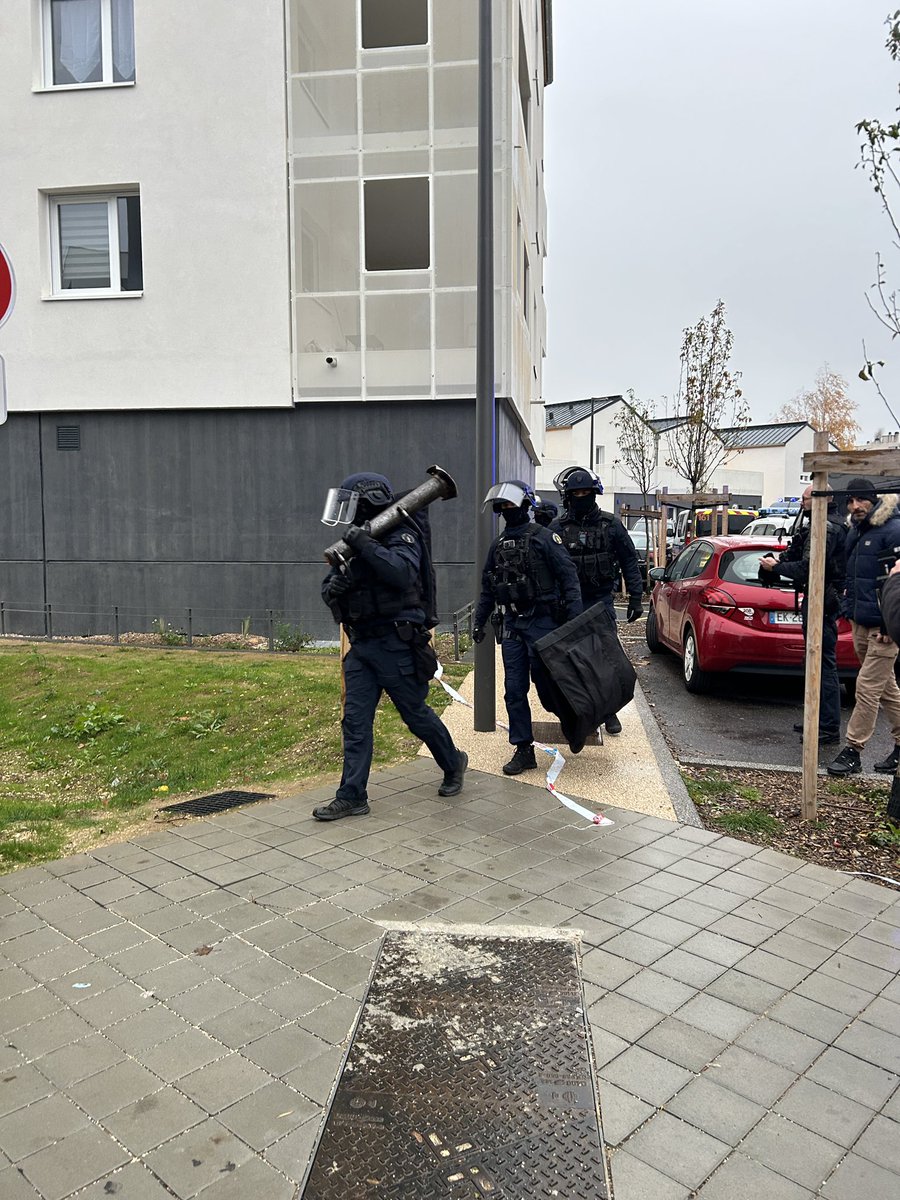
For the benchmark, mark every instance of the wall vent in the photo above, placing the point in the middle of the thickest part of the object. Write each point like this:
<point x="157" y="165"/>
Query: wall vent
<point x="68" y="437"/>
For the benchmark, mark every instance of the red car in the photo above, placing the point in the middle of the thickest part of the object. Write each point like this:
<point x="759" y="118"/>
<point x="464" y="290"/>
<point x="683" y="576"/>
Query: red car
<point x="709" y="607"/>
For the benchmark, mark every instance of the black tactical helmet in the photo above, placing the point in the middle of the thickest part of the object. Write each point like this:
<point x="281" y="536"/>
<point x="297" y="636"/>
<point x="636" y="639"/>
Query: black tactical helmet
<point x="579" y="478"/>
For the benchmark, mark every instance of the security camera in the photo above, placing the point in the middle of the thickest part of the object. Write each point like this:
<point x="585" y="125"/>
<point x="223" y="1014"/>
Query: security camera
<point x="330" y="360"/>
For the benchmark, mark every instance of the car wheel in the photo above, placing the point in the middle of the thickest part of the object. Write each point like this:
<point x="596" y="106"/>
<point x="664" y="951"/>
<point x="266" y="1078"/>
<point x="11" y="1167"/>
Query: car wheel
<point x="651" y="633"/>
<point x="695" y="680"/>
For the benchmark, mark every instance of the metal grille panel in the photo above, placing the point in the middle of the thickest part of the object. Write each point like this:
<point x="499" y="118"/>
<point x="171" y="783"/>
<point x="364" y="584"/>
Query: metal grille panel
<point x="204" y="806"/>
<point x="469" y="1075"/>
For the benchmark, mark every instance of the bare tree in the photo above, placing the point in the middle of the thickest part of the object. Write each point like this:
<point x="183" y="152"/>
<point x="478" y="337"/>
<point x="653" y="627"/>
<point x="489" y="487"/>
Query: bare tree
<point x="638" y="444"/>
<point x="878" y="156"/>
<point x="708" y="399"/>
<point x="827" y="407"/>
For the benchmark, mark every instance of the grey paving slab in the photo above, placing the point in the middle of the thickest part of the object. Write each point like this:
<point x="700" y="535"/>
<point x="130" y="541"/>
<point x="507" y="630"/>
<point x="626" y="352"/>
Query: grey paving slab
<point x="117" y="1086"/>
<point x="152" y="1120"/>
<point x="740" y="1178"/>
<point x="780" y="1044"/>
<point x="750" y="1076"/>
<point x="621" y="1113"/>
<point x="683" y="1044"/>
<point x="636" y="1180"/>
<point x="789" y="1150"/>
<point x="853" y="1077"/>
<point x="856" y="1177"/>
<point x="72" y="1162"/>
<point x="824" y="1111"/>
<point x="716" y="1110"/>
<point x="872" y="1044"/>
<point x="197" y="1157"/>
<point x="880" y="1143"/>
<point x="646" y="1075"/>
<point x="30" y="1129"/>
<point x="131" y="1182"/>
<point x="678" y="1150"/>
<point x="268" y="1115"/>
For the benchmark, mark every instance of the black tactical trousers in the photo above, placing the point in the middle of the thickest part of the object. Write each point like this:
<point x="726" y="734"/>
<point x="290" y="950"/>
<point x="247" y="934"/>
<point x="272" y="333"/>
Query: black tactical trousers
<point x="376" y="665"/>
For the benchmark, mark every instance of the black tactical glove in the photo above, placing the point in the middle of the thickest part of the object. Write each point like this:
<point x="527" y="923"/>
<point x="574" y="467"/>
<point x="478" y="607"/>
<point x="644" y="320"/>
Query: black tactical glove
<point x="478" y="634"/>
<point x="336" y="585"/>
<point x="635" y="608"/>
<point x="357" y="537"/>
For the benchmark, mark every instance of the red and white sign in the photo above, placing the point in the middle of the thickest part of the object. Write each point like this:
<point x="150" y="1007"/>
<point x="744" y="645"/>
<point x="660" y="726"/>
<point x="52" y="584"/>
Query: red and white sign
<point x="7" y="286"/>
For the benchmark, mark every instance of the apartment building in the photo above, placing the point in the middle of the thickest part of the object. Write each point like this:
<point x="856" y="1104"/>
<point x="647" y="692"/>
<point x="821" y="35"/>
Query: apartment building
<point x="244" y="239"/>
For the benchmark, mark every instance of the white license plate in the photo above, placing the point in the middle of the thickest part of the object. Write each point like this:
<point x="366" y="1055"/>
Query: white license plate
<point x="783" y="617"/>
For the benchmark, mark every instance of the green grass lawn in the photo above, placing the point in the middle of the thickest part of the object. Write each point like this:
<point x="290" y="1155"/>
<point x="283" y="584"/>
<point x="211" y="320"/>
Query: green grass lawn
<point x="92" y="739"/>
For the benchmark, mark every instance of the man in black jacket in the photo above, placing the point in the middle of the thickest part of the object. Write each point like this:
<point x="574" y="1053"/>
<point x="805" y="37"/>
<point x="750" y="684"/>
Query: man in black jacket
<point x="379" y="596"/>
<point x="874" y="531"/>
<point x="529" y="579"/>
<point x="793" y="564"/>
<point x="600" y="548"/>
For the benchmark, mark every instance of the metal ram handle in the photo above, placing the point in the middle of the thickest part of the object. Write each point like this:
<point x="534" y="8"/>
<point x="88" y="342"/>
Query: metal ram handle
<point x="441" y="486"/>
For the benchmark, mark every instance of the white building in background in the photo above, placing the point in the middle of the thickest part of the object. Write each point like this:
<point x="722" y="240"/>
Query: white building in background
<point x="576" y="430"/>
<point x="244" y="236"/>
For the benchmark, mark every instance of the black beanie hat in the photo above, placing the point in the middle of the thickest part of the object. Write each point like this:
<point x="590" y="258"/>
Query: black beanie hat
<point x="861" y="489"/>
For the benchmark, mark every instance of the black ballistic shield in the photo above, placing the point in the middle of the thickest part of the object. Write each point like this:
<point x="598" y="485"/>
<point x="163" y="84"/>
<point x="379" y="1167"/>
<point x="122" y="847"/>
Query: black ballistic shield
<point x="590" y="675"/>
<point x="440" y="486"/>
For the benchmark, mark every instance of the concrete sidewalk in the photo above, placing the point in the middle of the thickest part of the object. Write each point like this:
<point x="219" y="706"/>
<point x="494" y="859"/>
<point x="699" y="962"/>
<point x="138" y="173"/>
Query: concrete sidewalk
<point x="175" y="1010"/>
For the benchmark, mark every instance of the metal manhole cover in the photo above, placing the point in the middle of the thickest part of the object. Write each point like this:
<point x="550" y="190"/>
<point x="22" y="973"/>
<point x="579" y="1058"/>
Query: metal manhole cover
<point x="469" y="1076"/>
<point x="204" y="806"/>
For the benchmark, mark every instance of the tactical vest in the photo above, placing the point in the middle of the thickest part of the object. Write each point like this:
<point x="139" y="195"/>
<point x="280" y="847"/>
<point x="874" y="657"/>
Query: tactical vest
<point x="521" y="577"/>
<point x="588" y="546"/>
<point x="370" y="600"/>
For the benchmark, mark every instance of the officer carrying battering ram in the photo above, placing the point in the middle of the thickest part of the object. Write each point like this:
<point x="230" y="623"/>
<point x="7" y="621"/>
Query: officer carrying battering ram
<point x="381" y="596"/>
<point x="529" y="587"/>
<point x="600" y="548"/>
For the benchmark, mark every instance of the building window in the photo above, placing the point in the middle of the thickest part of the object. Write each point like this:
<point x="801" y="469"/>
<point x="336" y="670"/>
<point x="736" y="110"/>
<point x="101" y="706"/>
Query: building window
<point x="88" y="41"/>
<point x="96" y="245"/>
<point x="388" y="23"/>
<point x="524" y="82"/>
<point x="397" y="229"/>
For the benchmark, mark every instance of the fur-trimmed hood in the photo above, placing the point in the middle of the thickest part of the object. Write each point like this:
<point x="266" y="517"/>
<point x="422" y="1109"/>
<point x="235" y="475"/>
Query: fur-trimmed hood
<point x="886" y="508"/>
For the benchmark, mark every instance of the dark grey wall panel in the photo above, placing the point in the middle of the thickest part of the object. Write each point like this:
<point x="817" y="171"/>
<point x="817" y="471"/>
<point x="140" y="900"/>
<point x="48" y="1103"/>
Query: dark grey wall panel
<point x="219" y="511"/>
<point x="22" y="594"/>
<point x="513" y="460"/>
<point x="20" y="491"/>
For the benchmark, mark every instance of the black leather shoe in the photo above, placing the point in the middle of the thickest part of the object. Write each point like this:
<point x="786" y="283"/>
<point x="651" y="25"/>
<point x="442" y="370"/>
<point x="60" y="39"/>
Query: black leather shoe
<point x="827" y="739"/>
<point x="847" y="762"/>
<point x="341" y="808"/>
<point x="522" y="760"/>
<point x="614" y="725"/>
<point x="888" y="766"/>
<point x="453" y="780"/>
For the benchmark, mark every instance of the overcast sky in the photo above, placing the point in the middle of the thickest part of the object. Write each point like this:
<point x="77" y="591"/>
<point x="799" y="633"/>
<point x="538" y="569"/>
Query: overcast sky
<point x="699" y="149"/>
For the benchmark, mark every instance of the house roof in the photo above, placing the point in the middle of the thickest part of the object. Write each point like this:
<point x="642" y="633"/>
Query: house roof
<point x="569" y="412"/>
<point x="754" y="437"/>
<point x="663" y="424"/>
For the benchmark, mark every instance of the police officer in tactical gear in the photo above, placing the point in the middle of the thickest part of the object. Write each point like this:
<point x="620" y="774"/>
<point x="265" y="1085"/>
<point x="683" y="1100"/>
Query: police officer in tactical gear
<point x="380" y="596"/>
<point x="545" y="513"/>
<point x="530" y="585"/>
<point x="600" y="547"/>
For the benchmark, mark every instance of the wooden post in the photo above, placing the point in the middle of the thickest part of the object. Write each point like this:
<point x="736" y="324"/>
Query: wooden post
<point x="815" y="610"/>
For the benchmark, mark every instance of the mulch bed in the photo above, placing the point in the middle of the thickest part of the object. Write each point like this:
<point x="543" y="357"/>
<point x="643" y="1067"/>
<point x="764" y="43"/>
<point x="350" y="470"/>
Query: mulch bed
<point x="850" y="832"/>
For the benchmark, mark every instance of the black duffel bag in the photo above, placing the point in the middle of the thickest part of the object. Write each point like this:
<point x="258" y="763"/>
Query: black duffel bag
<point x="591" y="677"/>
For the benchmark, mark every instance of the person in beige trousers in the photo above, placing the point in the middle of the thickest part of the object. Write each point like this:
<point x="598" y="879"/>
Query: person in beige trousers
<point x="874" y="532"/>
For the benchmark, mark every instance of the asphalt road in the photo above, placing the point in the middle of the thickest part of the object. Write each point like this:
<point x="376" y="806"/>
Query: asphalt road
<point x="743" y="719"/>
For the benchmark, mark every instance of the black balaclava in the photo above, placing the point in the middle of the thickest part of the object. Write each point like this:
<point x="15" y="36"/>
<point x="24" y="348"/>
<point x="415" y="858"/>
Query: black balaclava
<point x="580" y="507"/>
<point x="514" y="517"/>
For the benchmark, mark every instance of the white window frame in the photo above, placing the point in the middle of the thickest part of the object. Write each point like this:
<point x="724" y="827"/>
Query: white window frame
<point x="57" y="292"/>
<point x="106" y="52"/>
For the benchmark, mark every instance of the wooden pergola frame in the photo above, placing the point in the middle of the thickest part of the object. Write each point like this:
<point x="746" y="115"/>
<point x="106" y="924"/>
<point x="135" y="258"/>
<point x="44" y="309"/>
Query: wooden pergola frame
<point x="819" y="462"/>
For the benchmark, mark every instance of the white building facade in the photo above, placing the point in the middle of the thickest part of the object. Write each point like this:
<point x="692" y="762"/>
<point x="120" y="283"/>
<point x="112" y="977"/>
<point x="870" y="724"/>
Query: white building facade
<point x="244" y="239"/>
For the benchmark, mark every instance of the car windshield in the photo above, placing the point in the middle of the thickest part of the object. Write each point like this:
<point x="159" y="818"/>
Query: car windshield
<point x="639" y="538"/>
<point x="742" y="566"/>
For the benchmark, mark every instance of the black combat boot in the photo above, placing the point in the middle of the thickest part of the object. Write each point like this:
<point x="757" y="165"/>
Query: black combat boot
<point x="614" y="725"/>
<point x="522" y="760"/>
<point x="453" y="780"/>
<point x="888" y="766"/>
<point x="340" y="807"/>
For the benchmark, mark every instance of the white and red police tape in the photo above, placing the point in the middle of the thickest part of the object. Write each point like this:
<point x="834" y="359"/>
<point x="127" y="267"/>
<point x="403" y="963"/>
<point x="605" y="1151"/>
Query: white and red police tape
<point x="554" y="770"/>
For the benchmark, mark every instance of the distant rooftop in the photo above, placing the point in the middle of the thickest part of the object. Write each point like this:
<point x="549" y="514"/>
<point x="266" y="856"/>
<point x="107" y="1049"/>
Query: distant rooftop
<point x="561" y="416"/>
<point x="752" y="437"/>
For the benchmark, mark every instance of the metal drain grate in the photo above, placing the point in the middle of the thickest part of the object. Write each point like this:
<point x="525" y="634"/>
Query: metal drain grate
<point x="469" y="1076"/>
<point x="204" y="806"/>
